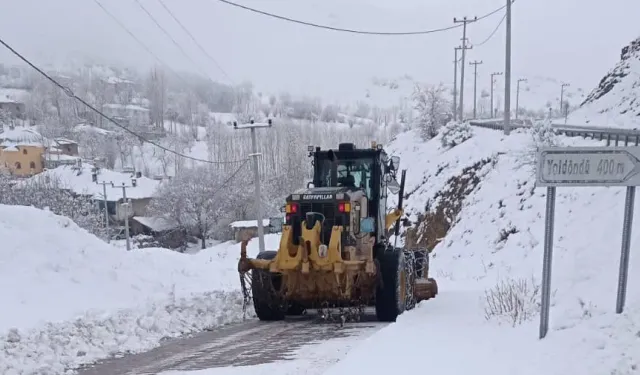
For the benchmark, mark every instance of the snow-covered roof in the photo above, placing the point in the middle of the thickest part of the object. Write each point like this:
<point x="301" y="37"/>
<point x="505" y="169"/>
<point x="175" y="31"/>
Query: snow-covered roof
<point x="157" y="224"/>
<point x="248" y="223"/>
<point x="13" y="95"/>
<point x="21" y="134"/>
<point x="115" y="80"/>
<point x="83" y="183"/>
<point x="90" y="128"/>
<point x="21" y="144"/>
<point x="65" y="141"/>
<point x="222" y="117"/>
<point x="60" y="156"/>
<point x="10" y="148"/>
<point x="127" y="107"/>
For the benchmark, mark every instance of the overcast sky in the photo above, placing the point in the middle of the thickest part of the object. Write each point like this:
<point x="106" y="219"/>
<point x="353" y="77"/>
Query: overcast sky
<point x="572" y="40"/>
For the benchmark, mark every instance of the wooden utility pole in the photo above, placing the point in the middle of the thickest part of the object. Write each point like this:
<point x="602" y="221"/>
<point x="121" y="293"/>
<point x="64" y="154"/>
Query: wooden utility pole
<point x="475" y="85"/>
<point x="464" y="22"/>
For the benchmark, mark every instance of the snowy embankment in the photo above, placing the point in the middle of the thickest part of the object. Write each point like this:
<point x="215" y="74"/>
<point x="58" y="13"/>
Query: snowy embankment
<point x="69" y="299"/>
<point x="495" y="247"/>
<point x="615" y="102"/>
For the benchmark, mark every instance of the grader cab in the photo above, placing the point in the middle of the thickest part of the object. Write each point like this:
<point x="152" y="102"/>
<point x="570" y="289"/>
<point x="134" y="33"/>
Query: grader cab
<point x="335" y="250"/>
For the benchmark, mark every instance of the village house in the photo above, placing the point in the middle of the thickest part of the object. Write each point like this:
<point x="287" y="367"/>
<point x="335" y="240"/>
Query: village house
<point x="61" y="152"/>
<point x="21" y="152"/>
<point x="13" y="108"/>
<point x="85" y="179"/>
<point x="21" y="159"/>
<point x="134" y="115"/>
<point x="12" y="101"/>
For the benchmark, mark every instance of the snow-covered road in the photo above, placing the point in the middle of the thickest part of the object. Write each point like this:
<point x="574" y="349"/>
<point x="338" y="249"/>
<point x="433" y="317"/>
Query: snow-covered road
<point x="251" y="344"/>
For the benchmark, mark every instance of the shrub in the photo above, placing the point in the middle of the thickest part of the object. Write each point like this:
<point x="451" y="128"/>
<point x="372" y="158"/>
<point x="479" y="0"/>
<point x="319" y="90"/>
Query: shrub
<point x="513" y="300"/>
<point x="454" y="133"/>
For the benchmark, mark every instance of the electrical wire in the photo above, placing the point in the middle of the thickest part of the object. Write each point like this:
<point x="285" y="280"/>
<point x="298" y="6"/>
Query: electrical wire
<point x="492" y="33"/>
<point x="168" y="35"/>
<point x="228" y="180"/>
<point x="140" y="42"/>
<point x="354" y="31"/>
<point x="195" y="41"/>
<point x="71" y="94"/>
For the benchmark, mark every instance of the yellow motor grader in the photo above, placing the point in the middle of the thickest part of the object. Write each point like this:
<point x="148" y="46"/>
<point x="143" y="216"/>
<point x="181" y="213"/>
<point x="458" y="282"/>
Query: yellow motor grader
<point x="335" y="250"/>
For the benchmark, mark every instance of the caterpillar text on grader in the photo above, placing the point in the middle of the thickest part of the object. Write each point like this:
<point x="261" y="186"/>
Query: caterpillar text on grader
<point x="335" y="250"/>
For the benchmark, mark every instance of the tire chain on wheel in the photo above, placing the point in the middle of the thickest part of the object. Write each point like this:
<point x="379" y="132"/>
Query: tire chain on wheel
<point x="409" y="268"/>
<point x="246" y="278"/>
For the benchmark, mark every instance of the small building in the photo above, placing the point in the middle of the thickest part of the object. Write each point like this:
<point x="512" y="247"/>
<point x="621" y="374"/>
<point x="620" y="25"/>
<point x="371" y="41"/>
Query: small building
<point x="166" y="231"/>
<point x="12" y="101"/>
<point x="134" y="114"/>
<point x="66" y="146"/>
<point x="247" y="229"/>
<point x="15" y="109"/>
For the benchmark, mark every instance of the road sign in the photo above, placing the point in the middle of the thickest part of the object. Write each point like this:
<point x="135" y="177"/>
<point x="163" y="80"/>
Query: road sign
<point x="589" y="166"/>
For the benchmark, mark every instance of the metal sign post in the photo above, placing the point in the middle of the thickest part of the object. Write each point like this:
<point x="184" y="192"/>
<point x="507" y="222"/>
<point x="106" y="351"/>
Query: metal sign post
<point x="586" y="166"/>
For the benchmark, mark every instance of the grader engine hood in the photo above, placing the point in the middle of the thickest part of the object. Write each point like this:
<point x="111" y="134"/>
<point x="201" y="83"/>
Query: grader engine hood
<point x="329" y="206"/>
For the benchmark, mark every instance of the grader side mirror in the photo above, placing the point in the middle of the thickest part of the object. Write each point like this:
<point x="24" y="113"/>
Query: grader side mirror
<point x="395" y="163"/>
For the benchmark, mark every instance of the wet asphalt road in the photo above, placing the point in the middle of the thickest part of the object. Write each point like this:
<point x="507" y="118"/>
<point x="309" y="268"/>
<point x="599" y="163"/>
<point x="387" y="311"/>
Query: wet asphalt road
<point x="242" y="344"/>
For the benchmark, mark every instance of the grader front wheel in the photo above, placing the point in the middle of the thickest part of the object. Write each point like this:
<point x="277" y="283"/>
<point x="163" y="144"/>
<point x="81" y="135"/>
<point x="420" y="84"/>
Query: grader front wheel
<point x="267" y="303"/>
<point x="391" y="293"/>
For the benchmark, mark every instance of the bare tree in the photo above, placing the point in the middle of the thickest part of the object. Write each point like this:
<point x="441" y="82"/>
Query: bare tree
<point x="432" y="107"/>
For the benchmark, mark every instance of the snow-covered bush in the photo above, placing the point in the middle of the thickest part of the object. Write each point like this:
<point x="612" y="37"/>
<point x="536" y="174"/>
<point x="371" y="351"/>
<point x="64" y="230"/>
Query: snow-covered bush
<point x="542" y="135"/>
<point x="454" y="133"/>
<point x="512" y="301"/>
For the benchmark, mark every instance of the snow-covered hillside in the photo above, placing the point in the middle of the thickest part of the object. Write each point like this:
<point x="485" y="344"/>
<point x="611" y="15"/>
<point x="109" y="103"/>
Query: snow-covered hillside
<point x="616" y="100"/>
<point x="497" y="239"/>
<point x="69" y="298"/>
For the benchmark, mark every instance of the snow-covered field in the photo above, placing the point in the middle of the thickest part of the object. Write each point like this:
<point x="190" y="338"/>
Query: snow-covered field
<point x="69" y="298"/>
<point x="450" y="334"/>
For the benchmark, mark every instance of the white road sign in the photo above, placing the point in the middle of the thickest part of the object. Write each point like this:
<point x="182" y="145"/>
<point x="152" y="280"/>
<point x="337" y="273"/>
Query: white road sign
<point x="589" y="166"/>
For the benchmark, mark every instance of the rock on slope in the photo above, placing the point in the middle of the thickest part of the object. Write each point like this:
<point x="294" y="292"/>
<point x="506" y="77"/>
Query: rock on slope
<point x="68" y="298"/>
<point x="616" y="100"/>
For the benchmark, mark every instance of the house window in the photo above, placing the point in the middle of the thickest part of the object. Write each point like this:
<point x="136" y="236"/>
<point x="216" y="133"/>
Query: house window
<point x="24" y="151"/>
<point x="32" y="165"/>
<point x="18" y="165"/>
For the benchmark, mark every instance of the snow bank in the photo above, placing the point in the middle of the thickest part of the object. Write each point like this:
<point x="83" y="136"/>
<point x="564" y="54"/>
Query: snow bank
<point x="499" y="238"/>
<point x="616" y="101"/>
<point x="69" y="298"/>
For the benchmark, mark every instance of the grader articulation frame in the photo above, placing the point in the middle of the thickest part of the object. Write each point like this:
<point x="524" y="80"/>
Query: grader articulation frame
<point x="335" y="250"/>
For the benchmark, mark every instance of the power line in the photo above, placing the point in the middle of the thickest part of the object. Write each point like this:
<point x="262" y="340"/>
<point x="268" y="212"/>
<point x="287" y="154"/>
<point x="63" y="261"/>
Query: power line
<point x="492" y="33"/>
<point x="215" y="62"/>
<point x="168" y="35"/>
<point x="71" y="94"/>
<point x="353" y="31"/>
<point x="140" y="42"/>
